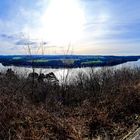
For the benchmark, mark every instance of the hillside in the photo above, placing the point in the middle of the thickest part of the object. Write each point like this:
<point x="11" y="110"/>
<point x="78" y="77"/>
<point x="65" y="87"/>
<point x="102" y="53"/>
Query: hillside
<point x="64" y="61"/>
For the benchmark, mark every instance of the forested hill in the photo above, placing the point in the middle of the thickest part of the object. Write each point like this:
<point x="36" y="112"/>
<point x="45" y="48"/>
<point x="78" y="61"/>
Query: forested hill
<point x="64" y="61"/>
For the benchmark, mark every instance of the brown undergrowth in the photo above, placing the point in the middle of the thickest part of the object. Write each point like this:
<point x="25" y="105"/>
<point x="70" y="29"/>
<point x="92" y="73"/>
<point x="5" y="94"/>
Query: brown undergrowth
<point x="101" y="103"/>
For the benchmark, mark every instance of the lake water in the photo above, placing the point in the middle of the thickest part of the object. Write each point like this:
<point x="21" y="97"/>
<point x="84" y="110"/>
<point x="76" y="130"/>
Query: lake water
<point x="61" y="74"/>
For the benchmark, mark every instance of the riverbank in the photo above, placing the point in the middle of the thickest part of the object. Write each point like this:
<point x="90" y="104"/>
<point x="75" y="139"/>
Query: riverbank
<point x="62" y="73"/>
<point x="97" y="103"/>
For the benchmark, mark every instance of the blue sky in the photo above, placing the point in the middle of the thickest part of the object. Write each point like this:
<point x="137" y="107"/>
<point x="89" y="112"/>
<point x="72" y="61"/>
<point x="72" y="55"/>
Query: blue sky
<point x="90" y="26"/>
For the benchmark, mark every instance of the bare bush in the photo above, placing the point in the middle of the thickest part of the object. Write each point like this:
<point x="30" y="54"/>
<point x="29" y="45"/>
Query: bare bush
<point x="97" y="103"/>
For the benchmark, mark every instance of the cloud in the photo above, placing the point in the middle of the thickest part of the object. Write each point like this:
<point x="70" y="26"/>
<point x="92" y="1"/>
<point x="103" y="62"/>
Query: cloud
<point x="107" y="21"/>
<point x="11" y="37"/>
<point x="7" y="37"/>
<point x="20" y="39"/>
<point x="25" y="42"/>
<point x="31" y="42"/>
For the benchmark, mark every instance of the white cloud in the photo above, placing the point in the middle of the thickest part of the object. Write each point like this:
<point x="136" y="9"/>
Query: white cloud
<point x="106" y="22"/>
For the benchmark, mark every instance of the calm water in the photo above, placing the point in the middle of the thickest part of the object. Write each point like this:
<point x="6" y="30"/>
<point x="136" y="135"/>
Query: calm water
<point x="63" y="73"/>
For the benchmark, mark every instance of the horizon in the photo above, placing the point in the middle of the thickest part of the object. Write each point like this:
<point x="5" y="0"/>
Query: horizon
<point x="77" y="27"/>
<point x="68" y="55"/>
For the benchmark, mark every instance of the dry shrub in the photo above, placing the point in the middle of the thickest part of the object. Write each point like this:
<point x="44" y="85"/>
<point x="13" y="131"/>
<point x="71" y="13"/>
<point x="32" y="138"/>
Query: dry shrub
<point x="96" y="103"/>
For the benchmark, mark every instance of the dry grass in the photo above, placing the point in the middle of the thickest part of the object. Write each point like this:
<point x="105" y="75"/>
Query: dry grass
<point x="104" y="103"/>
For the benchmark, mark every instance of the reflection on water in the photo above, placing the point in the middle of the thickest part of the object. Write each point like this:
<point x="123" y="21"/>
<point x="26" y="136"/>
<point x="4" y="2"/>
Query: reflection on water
<point x="61" y="74"/>
<point x="129" y="64"/>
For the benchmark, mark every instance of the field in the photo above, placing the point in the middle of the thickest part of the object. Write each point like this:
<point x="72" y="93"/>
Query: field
<point x="103" y="103"/>
<point x="93" y="62"/>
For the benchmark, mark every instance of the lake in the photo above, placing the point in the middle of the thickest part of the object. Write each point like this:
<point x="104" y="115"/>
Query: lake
<point x="62" y="73"/>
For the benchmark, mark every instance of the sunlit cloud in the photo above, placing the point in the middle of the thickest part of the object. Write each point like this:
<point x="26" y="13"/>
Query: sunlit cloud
<point x="102" y="25"/>
<point x="63" y="21"/>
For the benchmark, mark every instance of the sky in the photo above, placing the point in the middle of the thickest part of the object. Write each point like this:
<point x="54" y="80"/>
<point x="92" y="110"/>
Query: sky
<point x="88" y="27"/>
